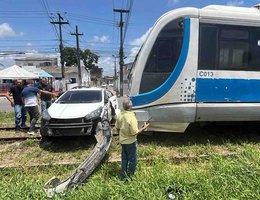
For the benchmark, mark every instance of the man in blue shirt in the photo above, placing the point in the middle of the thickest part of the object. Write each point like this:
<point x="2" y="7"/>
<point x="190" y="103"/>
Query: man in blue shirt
<point x="30" y="99"/>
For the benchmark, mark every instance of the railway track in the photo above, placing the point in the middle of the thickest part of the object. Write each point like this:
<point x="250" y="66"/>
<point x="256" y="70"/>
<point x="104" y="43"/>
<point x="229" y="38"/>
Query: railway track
<point x="104" y="137"/>
<point x="54" y="186"/>
<point x="84" y="170"/>
<point x="19" y="138"/>
<point x="25" y="137"/>
<point x="10" y="127"/>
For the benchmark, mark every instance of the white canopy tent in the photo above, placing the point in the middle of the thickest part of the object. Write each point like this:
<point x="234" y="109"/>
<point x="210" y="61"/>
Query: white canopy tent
<point x="16" y="72"/>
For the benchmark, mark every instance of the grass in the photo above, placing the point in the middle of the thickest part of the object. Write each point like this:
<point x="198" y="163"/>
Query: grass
<point x="213" y="162"/>
<point x="213" y="178"/>
<point x="6" y="118"/>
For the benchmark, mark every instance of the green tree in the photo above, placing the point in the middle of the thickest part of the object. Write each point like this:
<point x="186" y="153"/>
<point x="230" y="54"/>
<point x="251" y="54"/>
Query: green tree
<point x="70" y="56"/>
<point x="89" y="58"/>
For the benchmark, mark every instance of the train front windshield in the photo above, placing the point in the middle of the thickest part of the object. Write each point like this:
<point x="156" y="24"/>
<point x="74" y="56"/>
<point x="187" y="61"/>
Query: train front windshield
<point x="163" y="56"/>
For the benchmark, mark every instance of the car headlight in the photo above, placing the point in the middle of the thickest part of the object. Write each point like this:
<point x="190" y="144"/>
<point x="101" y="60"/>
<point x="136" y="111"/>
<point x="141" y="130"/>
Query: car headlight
<point x="94" y="114"/>
<point x="46" y="116"/>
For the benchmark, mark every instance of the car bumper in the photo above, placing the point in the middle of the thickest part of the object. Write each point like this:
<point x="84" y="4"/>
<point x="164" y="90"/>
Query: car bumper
<point x="67" y="127"/>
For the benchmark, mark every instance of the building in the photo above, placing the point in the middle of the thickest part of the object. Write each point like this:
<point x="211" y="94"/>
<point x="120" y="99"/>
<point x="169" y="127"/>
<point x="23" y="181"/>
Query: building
<point x="96" y="72"/>
<point x="92" y="77"/>
<point x="71" y="73"/>
<point x="50" y="65"/>
<point x="108" y="81"/>
<point x="37" y="61"/>
<point x="96" y="75"/>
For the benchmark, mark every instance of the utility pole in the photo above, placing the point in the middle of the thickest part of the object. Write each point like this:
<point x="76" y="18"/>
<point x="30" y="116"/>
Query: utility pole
<point x="115" y="82"/>
<point x="61" y="47"/>
<point x="115" y="66"/>
<point x="78" y="56"/>
<point x="121" y="51"/>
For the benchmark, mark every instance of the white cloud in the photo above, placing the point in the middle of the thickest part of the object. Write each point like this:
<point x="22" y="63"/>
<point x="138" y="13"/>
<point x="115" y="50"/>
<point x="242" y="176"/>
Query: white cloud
<point x="107" y="63"/>
<point x="137" y="44"/>
<point x="103" y="38"/>
<point x="29" y="44"/>
<point x="139" y="41"/>
<point x="134" y="51"/>
<point x="8" y="60"/>
<point x="235" y="3"/>
<point x="172" y="2"/>
<point x="32" y="53"/>
<point x="7" y="31"/>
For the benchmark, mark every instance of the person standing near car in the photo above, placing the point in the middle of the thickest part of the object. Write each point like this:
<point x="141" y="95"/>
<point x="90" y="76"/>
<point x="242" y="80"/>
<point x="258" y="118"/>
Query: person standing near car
<point x="45" y="98"/>
<point x="30" y="99"/>
<point x="127" y="127"/>
<point x="17" y="103"/>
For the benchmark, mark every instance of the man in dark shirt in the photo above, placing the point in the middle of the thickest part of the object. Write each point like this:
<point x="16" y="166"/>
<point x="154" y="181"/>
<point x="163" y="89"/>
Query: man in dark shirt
<point x="17" y="103"/>
<point x="45" y="98"/>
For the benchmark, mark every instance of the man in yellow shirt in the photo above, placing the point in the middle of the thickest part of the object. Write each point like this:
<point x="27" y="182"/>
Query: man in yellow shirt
<point x="126" y="125"/>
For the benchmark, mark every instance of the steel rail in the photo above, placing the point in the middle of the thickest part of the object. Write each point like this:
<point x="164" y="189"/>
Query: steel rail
<point x="18" y="138"/>
<point x="10" y="127"/>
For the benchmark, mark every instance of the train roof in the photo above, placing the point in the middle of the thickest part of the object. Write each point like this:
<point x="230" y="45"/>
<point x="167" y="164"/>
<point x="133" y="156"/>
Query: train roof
<point x="218" y="13"/>
<point x="235" y="9"/>
<point x="230" y="12"/>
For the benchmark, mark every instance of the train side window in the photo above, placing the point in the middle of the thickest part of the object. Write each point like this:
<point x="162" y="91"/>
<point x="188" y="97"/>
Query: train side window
<point x="208" y="47"/>
<point x="163" y="56"/>
<point x="233" y="49"/>
<point x="228" y="47"/>
<point x="254" y="55"/>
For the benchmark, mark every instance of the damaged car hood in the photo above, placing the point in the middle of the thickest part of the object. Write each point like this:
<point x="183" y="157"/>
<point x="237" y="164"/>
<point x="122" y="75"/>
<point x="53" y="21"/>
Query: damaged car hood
<point x="70" y="111"/>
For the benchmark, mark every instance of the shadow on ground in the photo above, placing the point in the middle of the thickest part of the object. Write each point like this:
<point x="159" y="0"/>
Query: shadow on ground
<point x="68" y="144"/>
<point x="196" y="134"/>
<point x="213" y="133"/>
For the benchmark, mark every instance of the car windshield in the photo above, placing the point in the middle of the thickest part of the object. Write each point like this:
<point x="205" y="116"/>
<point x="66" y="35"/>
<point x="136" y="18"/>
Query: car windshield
<point x="82" y="96"/>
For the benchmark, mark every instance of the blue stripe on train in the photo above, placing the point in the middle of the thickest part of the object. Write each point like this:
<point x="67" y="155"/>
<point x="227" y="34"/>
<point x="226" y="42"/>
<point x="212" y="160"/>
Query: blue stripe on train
<point x="146" y="98"/>
<point x="227" y="90"/>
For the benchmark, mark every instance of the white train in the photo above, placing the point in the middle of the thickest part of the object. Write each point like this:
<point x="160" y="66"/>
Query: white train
<point x="198" y="65"/>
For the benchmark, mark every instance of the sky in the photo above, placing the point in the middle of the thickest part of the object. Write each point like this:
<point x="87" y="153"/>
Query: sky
<point x="25" y="26"/>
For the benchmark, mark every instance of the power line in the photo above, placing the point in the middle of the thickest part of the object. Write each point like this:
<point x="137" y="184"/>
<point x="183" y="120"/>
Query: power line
<point x="128" y="18"/>
<point x="40" y="14"/>
<point x="46" y="7"/>
<point x="90" y="19"/>
<point x="68" y="41"/>
<point x="28" y="40"/>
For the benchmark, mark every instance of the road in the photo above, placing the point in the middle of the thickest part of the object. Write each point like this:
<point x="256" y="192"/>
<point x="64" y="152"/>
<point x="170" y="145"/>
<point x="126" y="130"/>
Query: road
<point x="5" y="105"/>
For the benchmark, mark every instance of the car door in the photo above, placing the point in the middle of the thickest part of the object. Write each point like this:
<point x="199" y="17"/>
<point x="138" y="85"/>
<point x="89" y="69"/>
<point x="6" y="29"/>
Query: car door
<point x="112" y="103"/>
<point x="113" y="100"/>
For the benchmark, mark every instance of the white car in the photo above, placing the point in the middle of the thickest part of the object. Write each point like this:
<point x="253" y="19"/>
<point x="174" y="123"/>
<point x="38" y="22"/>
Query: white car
<point x="77" y="112"/>
<point x="104" y="85"/>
